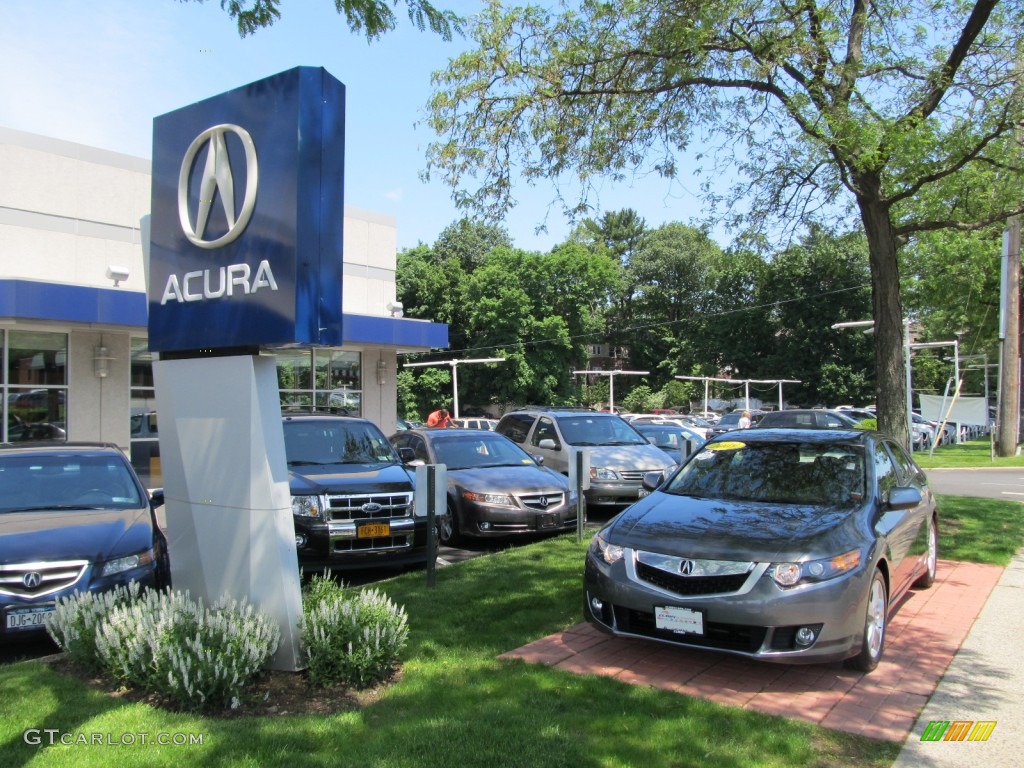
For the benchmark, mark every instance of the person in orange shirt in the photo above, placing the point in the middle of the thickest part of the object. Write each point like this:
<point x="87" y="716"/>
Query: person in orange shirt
<point x="440" y="418"/>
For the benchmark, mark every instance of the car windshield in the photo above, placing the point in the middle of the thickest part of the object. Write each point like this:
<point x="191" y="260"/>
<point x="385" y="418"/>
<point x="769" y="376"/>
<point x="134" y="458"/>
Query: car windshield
<point x="597" y="429"/>
<point x="469" y="451"/>
<point x="65" y="482"/>
<point x="318" y="443"/>
<point x="785" y="473"/>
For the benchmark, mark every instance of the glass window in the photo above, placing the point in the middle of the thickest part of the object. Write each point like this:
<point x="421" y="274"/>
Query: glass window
<point x="323" y="377"/>
<point x="885" y="473"/>
<point x="35" y="385"/>
<point x="145" y="447"/>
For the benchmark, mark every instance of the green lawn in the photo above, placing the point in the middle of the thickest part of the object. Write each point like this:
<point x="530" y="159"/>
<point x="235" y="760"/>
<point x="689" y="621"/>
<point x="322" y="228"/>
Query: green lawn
<point x="458" y="704"/>
<point x="976" y="453"/>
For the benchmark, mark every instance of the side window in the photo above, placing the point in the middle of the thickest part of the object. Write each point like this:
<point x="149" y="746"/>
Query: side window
<point x="545" y="431"/>
<point x="516" y="427"/>
<point x="885" y="472"/>
<point x="906" y="470"/>
<point x="832" y="421"/>
<point x="420" y="449"/>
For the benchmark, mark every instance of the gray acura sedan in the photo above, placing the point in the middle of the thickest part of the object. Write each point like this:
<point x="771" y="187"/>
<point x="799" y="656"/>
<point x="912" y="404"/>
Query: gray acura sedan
<point x="785" y="545"/>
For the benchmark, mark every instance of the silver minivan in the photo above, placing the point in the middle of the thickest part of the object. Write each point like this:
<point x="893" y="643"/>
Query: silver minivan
<point x="619" y="455"/>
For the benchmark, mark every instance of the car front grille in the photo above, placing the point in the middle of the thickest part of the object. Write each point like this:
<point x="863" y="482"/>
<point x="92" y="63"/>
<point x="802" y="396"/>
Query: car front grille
<point x="32" y="580"/>
<point x="636" y="475"/>
<point x="375" y="544"/>
<point x="376" y="506"/>
<point x="725" y="637"/>
<point x="542" y="501"/>
<point x="690" y="585"/>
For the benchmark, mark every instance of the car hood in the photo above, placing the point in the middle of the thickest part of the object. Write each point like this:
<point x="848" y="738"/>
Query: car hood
<point x="632" y="458"/>
<point x="86" y="534"/>
<point x="734" y="530"/>
<point x="519" y="479"/>
<point x="349" y="478"/>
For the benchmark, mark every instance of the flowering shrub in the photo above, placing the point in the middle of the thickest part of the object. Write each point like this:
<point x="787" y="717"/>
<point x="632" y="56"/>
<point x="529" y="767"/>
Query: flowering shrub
<point x="73" y="623"/>
<point x="350" y="638"/>
<point x="166" y="643"/>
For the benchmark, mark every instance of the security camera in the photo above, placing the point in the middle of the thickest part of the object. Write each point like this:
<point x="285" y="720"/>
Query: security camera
<point x="117" y="274"/>
<point x="395" y="308"/>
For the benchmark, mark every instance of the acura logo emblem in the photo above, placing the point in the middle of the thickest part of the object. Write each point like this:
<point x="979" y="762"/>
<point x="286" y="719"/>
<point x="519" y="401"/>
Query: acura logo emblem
<point x="217" y="184"/>
<point x="32" y="579"/>
<point x="686" y="567"/>
<point x="543" y="501"/>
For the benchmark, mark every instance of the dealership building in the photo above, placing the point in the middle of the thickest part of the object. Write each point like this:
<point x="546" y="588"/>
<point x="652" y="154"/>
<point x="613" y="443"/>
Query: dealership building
<point x="73" y="306"/>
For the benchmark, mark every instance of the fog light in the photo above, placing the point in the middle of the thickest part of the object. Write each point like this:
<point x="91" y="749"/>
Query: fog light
<point x="300" y="540"/>
<point x="485" y="526"/>
<point x="597" y="605"/>
<point x="806" y="636"/>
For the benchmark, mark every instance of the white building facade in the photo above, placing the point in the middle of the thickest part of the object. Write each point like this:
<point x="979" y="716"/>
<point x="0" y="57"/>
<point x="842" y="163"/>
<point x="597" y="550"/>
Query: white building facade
<point x="73" y="324"/>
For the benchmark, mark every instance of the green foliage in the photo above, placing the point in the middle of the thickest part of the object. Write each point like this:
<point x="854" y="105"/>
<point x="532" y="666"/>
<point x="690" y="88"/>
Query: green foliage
<point x="350" y="638"/>
<point x="639" y="400"/>
<point x="868" y="424"/>
<point x="369" y="17"/>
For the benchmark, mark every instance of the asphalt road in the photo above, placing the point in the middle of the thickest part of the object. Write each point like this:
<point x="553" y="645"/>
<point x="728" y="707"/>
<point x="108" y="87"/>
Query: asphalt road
<point x="1001" y="483"/>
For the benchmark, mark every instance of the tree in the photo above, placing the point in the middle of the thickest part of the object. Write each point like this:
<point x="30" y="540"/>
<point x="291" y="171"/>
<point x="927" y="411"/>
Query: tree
<point x="369" y="17"/>
<point x="897" y="112"/>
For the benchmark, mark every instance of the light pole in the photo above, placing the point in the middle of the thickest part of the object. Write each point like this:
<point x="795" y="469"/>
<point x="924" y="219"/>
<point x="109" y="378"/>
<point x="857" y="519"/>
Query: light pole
<point x="611" y="381"/>
<point x="869" y="326"/>
<point x="455" y="376"/>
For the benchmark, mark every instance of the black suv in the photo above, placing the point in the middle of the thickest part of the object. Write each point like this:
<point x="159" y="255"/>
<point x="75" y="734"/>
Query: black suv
<point x="352" y="498"/>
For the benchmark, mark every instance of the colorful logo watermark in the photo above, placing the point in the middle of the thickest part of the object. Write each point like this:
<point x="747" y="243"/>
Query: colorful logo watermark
<point x="958" y="730"/>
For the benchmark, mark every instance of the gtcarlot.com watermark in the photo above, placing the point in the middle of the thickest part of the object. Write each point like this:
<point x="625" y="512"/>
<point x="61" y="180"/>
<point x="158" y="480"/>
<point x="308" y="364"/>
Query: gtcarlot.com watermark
<point x="48" y="737"/>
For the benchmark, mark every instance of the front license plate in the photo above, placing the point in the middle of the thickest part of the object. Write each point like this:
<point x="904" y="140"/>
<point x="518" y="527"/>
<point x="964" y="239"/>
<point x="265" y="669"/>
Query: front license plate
<point x="545" y="522"/>
<point x="683" y="620"/>
<point x="26" y="618"/>
<point x="374" y="530"/>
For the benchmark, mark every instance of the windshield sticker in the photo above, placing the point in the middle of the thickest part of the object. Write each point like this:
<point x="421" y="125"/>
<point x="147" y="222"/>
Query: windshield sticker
<point x="730" y="445"/>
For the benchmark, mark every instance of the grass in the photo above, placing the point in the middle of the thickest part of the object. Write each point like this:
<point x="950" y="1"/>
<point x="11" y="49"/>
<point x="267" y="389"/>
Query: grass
<point x="975" y="453"/>
<point x="457" y="703"/>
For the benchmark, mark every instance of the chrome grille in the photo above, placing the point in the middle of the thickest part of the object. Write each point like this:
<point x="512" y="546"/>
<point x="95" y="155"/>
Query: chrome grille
<point x="542" y="501"/>
<point x="350" y="507"/>
<point x="636" y="474"/>
<point x="38" y="579"/>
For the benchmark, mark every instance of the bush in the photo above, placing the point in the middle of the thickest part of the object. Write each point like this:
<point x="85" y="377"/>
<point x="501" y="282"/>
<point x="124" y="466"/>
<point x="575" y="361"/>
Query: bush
<point x="165" y="643"/>
<point x="867" y="424"/>
<point x="74" y="622"/>
<point x="352" y="639"/>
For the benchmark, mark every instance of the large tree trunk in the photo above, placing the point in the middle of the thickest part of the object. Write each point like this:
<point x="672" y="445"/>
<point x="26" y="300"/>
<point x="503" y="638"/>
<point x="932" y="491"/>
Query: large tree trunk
<point x="890" y="365"/>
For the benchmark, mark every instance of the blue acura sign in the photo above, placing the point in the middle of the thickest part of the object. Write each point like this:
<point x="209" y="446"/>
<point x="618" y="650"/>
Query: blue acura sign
<point x="247" y="214"/>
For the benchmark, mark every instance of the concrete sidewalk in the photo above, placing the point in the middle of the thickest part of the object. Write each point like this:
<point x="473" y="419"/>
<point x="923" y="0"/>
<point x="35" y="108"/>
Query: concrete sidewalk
<point x="984" y="682"/>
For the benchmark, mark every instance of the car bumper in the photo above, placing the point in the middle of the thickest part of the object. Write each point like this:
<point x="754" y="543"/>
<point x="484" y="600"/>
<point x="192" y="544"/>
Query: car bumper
<point x="617" y="493"/>
<point x="21" y="617"/>
<point x="340" y="546"/>
<point x="759" y="620"/>
<point x="487" y="521"/>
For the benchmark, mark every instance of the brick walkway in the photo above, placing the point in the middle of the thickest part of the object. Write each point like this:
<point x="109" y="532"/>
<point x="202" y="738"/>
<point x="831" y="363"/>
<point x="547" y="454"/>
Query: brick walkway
<point x="924" y="634"/>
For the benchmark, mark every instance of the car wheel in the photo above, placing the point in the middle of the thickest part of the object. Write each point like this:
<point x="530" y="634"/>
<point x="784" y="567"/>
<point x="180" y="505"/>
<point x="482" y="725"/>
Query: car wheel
<point x="927" y="578"/>
<point x="875" y="617"/>
<point x="448" y="528"/>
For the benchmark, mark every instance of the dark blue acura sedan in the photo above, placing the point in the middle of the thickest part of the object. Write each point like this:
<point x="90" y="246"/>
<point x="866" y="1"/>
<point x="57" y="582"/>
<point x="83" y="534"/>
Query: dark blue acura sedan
<point x="73" y="517"/>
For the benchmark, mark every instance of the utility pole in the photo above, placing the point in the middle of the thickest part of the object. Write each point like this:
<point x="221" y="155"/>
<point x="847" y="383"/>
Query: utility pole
<point x="1008" y="418"/>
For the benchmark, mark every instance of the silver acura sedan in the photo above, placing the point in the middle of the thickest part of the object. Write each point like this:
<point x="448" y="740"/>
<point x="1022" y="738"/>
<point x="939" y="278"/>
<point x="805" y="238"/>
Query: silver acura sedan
<point x="786" y="545"/>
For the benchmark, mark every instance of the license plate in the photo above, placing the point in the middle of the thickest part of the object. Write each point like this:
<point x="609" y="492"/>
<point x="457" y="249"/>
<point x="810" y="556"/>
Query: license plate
<point x="682" y="620"/>
<point x="27" y="618"/>
<point x="544" y="522"/>
<point x="373" y="530"/>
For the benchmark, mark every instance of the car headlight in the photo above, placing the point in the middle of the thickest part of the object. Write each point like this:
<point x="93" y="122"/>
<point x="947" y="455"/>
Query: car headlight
<point x="603" y="473"/>
<point x="307" y="506"/>
<point x="122" y="564"/>
<point x="610" y="553"/>
<point x="496" y="499"/>
<point x="791" y="574"/>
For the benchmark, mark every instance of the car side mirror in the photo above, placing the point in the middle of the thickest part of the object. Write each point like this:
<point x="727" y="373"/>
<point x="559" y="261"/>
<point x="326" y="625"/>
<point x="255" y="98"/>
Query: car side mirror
<point x="156" y="497"/>
<point x="407" y="455"/>
<point x="539" y="459"/>
<point x="652" y="480"/>
<point x="547" y="444"/>
<point x="904" y="497"/>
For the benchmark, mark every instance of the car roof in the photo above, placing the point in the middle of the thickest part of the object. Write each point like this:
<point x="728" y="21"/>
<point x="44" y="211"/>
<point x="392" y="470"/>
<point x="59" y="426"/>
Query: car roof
<point x="50" y="446"/>
<point x="322" y="416"/>
<point x="789" y="434"/>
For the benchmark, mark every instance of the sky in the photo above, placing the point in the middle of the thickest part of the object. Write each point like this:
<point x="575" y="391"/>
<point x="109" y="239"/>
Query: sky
<point x="98" y="72"/>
